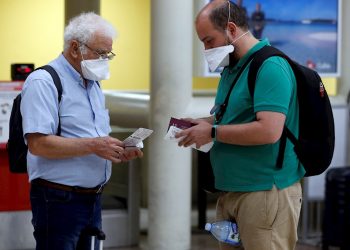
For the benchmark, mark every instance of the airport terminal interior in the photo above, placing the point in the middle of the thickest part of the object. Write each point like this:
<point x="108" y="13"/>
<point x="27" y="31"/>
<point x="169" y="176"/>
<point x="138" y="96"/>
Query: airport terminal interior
<point x="158" y="202"/>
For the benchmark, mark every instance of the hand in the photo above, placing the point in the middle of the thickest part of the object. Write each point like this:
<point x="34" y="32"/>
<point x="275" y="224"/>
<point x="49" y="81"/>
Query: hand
<point x="109" y="148"/>
<point x="192" y="120"/>
<point x="131" y="153"/>
<point x="199" y="134"/>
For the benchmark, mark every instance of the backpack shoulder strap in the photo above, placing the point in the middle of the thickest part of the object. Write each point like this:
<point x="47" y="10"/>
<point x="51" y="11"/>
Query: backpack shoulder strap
<point x="57" y="81"/>
<point x="263" y="54"/>
<point x="224" y="105"/>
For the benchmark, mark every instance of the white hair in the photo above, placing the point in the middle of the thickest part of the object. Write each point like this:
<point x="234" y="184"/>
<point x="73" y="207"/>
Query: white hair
<point x="84" y="26"/>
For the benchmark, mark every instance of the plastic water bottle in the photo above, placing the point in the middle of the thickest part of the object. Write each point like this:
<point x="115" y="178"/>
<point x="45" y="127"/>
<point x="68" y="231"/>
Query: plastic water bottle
<point x="224" y="231"/>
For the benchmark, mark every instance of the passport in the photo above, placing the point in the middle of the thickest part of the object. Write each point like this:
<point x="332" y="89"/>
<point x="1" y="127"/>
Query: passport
<point x="179" y="123"/>
<point x="176" y="125"/>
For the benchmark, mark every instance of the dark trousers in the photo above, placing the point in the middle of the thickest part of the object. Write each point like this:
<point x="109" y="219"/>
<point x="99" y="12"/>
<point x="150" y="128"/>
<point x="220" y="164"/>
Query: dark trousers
<point x="60" y="218"/>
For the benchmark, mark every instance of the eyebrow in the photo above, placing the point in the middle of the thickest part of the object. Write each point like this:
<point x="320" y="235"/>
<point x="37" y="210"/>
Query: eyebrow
<point x="206" y="38"/>
<point x="102" y="51"/>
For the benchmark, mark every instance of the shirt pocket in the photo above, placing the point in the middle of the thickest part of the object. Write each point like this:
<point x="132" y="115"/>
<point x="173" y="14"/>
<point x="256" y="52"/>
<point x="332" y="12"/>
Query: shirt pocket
<point x="102" y="125"/>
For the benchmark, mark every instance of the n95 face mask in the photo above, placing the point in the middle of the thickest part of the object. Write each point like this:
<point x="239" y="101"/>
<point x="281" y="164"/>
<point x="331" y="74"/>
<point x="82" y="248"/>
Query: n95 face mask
<point x="218" y="57"/>
<point x="96" y="69"/>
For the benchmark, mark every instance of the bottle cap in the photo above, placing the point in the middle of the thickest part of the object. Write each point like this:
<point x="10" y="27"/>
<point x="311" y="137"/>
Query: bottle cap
<point x="208" y="226"/>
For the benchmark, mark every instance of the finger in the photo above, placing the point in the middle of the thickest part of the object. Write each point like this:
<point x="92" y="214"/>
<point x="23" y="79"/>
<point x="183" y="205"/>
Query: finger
<point x="139" y="153"/>
<point x="181" y="143"/>
<point x="116" y="148"/>
<point x="115" y="159"/>
<point x="134" y="154"/>
<point x="116" y="142"/>
<point x="180" y="134"/>
<point x="117" y="154"/>
<point x="188" y="142"/>
<point x="129" y="155"/>
<point x="123" y="158"/>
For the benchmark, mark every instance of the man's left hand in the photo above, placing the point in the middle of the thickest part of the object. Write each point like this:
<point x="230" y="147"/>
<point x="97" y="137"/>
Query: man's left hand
<point x="130" y="154"/>
<point x="199" y="135"/>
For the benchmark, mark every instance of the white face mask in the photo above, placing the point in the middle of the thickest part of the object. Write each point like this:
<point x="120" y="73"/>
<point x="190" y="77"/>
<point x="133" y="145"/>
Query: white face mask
<point x="220" y="56"/>
<point x="96" y="70"/>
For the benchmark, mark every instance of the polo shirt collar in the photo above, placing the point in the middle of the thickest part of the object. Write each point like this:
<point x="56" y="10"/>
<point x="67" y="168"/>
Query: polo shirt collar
<point x="255" y="48"/>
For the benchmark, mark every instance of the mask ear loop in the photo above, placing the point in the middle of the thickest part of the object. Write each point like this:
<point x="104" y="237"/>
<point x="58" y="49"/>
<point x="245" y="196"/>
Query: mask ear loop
<point x="81" y="53"/>
<point x="229" y="17"/>
<point x="229" y="11"/>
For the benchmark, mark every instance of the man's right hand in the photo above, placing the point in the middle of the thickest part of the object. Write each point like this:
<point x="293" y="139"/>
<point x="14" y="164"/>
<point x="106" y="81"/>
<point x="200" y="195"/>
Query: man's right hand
<point x="114" y="150"/>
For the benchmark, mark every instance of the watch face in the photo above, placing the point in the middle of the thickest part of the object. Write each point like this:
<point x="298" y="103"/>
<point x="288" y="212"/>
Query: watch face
<point x="213" y="132"/>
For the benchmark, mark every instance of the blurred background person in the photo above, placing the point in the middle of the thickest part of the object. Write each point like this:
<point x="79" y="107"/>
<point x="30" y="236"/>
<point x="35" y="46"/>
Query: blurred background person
<point x="258" y="21"/>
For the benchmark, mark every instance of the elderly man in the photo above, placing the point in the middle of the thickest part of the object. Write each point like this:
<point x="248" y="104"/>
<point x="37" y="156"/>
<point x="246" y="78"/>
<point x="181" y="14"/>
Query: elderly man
<point x="68" y="170"/>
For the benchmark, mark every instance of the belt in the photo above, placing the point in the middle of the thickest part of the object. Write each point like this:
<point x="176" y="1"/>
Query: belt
<point x="76" y="189"/>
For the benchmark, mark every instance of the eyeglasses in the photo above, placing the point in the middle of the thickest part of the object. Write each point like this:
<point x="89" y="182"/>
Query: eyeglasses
<point x="108" y="55"/>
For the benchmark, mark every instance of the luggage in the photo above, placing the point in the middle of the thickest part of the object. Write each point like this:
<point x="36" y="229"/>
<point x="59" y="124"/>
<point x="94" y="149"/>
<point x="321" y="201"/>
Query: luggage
<point x="336" y="219"/>
<point x="96" y="234"/>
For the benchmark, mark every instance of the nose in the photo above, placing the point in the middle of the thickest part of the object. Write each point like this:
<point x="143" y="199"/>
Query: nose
<point x="208" y="46"/>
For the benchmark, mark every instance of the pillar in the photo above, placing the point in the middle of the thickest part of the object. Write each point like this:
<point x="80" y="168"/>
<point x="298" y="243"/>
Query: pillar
<point x="73" y="8"/>
<point x="169" y="168"/>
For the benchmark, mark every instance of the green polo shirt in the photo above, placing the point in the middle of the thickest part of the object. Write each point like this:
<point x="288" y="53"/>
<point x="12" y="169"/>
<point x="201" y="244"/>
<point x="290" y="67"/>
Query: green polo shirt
<point x="253" y="168"/>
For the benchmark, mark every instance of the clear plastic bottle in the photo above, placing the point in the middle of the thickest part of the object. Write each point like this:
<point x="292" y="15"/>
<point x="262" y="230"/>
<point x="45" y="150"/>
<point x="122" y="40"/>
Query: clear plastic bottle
<point x="224" y="231"/>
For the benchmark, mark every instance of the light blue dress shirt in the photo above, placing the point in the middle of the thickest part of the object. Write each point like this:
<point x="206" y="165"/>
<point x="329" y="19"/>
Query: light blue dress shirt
<point x="83" y="115"/>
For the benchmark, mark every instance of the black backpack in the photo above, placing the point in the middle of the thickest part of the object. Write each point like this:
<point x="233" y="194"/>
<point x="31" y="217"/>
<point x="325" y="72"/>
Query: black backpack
<point x="16" y="148"/>
<point x="315" y="145"/>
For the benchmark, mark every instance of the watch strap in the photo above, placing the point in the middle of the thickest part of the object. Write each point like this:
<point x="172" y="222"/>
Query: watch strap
<point x="213" y="132"/>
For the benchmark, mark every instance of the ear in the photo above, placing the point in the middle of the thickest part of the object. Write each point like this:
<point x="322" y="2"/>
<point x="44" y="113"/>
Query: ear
<point x="232" y="29"/>
<point x="74" y="49"/>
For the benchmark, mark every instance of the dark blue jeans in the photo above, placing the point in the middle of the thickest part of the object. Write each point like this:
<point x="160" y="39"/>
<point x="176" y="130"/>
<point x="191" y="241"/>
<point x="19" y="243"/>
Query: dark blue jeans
<point x="60" y="218"/>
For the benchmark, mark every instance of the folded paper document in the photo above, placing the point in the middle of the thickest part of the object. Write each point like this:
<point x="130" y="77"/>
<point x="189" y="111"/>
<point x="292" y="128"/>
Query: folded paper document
<point x="177" y="125"/>
<point x="136" y="138"/>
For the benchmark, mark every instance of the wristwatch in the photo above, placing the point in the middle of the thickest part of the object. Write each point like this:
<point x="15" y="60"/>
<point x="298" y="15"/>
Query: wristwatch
<point x="213" y="132"/>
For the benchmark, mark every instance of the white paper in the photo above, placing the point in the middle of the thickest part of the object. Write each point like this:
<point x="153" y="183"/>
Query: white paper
<point x="170" y="135"/>
<point x="136" y="138"/>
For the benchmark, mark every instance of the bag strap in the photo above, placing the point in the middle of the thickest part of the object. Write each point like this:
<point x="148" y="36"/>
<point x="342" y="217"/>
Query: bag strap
<point x="262" y="54"/>
<point x="224" y="105"/>
<point x="57" y="81"/>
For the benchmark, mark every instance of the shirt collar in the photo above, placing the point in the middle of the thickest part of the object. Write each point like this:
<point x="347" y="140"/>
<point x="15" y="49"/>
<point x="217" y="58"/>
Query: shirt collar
<point x="68" y="67"/>
<point x="255" y="48"/>
<point x="75" y="74"/>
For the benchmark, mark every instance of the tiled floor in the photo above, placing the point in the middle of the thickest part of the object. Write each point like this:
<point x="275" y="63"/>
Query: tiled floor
<point x="201" y="241"/>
